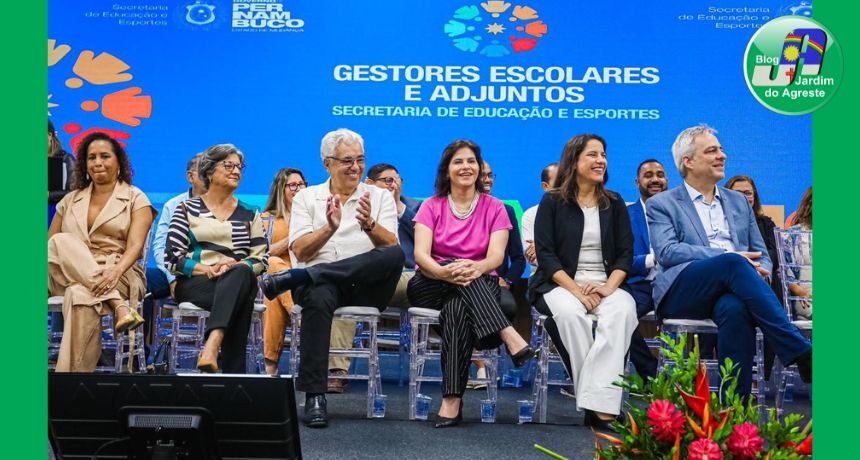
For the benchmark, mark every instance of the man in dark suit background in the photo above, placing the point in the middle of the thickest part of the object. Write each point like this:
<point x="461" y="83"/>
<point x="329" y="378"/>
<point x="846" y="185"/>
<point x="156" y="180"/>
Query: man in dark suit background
<point x="650" y="180"/>
<point x="713" y="261"/>
<point x="384" y="175"/>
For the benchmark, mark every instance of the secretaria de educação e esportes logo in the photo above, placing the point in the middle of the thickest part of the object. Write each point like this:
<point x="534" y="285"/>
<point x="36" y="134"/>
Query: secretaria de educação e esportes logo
<point x="793" y="65"/>
<point x="495" y="29"/>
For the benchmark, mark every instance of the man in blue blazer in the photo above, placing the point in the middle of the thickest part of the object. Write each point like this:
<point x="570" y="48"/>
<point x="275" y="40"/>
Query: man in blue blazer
<point x="712" y="260"/>
<point x="650" y="180"/>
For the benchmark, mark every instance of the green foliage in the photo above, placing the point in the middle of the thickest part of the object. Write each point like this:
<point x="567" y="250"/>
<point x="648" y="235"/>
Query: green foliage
<point x="726" y="406"/>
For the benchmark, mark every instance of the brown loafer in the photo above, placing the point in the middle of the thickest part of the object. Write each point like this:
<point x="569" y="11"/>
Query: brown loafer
<point x="337" y="385"/>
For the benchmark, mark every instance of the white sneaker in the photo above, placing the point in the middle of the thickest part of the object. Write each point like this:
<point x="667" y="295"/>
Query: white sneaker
<point x="481" y="374"/>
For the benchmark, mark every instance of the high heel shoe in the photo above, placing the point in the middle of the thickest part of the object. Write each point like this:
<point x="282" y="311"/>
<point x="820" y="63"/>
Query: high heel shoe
<point x="445" y="422"/>
<point x="131" y="320"/>
<point x="523" y="356"/>
<point x="207" y="366"/>
<point x="598" y="424"/>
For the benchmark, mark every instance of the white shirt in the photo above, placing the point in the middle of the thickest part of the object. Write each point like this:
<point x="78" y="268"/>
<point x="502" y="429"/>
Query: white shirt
<point x="650" y="261"/>
<point x="529" y="231"/>
<point x="713" y="218"/>
<point x="590" y="263"/>
<point x="309" y="214"/>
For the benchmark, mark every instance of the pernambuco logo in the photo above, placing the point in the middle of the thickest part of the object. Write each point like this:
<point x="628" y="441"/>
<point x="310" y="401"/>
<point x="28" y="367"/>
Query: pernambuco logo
<point x="793" y="65"/>
<point x="495" y="29"/>
<point x="97" y="86"/>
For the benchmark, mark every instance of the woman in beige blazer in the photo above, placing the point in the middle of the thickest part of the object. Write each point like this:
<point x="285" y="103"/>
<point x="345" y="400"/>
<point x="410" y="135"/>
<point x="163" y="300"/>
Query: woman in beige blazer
<point x="94" y="242"/>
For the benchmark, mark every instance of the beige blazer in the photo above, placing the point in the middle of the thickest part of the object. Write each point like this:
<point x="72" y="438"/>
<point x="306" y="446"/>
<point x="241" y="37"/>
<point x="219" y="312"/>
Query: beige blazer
<point x="108" y="237"/>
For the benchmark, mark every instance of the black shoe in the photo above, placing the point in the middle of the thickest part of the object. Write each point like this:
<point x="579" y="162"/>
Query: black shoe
<point x="804" y="366"/>
<point x="445" y="422"/>
<point x="523" y="356"/>
<point x="598" y="424"/>
<point x="316" y="415"/>
<point x="274" y="284"/>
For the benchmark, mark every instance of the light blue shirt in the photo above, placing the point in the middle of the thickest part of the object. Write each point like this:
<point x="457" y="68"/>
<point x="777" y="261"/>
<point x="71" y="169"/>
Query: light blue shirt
<point x="160" y="241"/>
<point x="713" y="218"/>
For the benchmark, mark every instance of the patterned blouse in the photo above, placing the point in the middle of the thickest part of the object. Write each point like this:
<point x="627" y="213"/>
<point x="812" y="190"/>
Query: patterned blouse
<point x="197" y="236"/>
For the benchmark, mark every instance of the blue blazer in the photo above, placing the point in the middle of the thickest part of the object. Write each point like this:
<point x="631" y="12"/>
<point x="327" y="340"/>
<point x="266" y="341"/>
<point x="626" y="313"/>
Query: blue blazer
<point x="678" y="237"/>
<point x="406" y="230"/>
<point x="641" y="241"/>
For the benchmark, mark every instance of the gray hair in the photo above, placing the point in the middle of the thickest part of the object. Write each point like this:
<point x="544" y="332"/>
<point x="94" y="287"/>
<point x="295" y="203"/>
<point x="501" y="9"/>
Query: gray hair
<point x="340" y="136"/>
<point x="210" y="158"/>
<point x="683" y="146"/>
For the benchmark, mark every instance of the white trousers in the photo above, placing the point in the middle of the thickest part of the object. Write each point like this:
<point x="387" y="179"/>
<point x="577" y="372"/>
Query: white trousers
<point x="596" y="359"/>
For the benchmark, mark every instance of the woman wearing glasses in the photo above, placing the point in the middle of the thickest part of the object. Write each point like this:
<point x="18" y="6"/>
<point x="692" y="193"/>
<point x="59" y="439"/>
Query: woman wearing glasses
<point x="287" y="183"/>
<point x="215" y="246"/>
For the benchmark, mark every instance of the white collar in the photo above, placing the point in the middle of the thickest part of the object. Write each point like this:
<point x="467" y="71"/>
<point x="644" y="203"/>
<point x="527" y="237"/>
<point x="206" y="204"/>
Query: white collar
<point x="694" y="194"/>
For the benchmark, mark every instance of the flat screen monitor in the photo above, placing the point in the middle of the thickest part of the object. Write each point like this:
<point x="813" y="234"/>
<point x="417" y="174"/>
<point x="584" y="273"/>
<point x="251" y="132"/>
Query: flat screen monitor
<point x="110" y="416"/>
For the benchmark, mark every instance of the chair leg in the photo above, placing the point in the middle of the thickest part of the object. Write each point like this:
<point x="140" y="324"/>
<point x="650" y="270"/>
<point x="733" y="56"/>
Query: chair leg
<point x="295" y="337"/>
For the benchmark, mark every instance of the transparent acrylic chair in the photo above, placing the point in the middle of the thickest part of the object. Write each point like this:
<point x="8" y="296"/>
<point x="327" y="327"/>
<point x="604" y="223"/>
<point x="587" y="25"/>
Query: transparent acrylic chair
<point x="423" y="349"/>
<point x="794" y="248"/>
<point x="125" y="347"/>
<point x="365" y="346"/>
<point x="675" y="327"/>
<point x="542" y="341"/>
<point x="547" y="356"/>
<point x="188" y="337"/>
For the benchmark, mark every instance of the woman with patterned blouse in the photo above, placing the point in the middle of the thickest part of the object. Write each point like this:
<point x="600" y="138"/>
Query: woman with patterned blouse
<point x="216" y="247"/>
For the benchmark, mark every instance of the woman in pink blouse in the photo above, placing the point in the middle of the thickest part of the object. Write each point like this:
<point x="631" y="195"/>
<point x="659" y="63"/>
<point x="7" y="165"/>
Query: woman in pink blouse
<point x="460" y="238"/>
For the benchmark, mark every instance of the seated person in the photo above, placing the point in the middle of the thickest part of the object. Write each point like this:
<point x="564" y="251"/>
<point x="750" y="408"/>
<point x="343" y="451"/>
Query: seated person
<point x="547" y="179"/>
<point x="343" y="234"/>
<point x="584" y="251"/>
<point x="803" y="221"/>
<point x="386" y="176"/>
<point x="94" y="243"/>
<point x="713" y="261"/>
<point x="160" y="283"/>
<point x="215" y="248"/>
<point x="460" y="238"/>
<point x="650" y="180"/>
<point x="287" y="183"/>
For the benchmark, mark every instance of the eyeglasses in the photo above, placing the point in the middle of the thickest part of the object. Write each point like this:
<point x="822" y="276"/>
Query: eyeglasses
<point x="229" y="166"/>
<point x="387" y="180"/>
<point x="296" y="186"/>
<point x="491" y="175"/>
<point x="347" y="162"/>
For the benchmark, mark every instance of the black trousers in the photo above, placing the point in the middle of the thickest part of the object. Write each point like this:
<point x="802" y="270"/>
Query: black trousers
<point x="230" y="301"/>
<point x="470" y="318"/>
<point x="367" y="279"/>
<point x="640" y="354"/>
<point x="508" y="303"/>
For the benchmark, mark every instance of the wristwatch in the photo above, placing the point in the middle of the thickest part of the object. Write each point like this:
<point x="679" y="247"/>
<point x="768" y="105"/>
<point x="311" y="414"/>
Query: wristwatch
<point x="369" y="228"/>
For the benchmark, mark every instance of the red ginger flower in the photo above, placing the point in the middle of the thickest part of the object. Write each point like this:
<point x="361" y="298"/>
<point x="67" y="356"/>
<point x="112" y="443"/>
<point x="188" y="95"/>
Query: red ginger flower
<point x="704" y="449"/>
<point x="805" y="447"/>
<point x="744" y="443"/>
<point x="666" y="420"/>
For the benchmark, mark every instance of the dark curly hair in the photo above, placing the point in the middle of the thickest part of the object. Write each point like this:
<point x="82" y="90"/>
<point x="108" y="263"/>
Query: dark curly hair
<point x="81" y="179"/>
<point x="443" y="182"/>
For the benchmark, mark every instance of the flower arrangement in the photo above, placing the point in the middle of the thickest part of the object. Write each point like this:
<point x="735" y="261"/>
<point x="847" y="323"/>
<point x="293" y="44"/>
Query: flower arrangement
<point x="680" y="418"/>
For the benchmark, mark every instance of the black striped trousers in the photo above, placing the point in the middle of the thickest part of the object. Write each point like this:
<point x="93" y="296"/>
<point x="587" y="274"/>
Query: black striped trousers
<point x="470" y="318"/>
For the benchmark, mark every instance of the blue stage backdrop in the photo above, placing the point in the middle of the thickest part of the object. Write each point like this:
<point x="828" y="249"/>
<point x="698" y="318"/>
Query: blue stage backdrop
<point x="273" y="76"/>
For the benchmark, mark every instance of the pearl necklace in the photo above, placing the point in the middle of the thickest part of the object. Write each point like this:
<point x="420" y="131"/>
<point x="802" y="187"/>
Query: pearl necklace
<point x="463" y="215"/>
